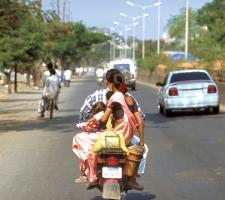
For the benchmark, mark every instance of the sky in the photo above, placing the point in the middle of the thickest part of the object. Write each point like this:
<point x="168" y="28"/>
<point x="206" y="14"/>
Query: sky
<point x="103" y="13"/>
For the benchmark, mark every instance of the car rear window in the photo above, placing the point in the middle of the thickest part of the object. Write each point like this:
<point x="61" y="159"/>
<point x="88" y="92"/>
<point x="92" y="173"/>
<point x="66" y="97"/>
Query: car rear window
<point x="122" y="67"/>
<point x="190" y="76"/>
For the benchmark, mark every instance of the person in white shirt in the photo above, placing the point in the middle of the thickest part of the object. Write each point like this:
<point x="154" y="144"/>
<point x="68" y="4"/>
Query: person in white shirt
<point x="67" y="77"/>
<point x="50" y="91"/>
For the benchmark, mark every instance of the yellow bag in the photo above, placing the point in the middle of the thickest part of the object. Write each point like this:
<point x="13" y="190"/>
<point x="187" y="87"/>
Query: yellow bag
<point x="110" y="139"/>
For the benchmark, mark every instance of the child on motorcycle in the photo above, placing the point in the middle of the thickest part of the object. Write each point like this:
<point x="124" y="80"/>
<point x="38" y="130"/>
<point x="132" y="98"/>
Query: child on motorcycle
<point x="83" y="142"/>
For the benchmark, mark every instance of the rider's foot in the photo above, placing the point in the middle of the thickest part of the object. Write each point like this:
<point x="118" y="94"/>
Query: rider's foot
<point x="92" y="185"/>
<point x="82" y="178"/>
<point x="41" y="115"/>
<point x="132" y="184"/>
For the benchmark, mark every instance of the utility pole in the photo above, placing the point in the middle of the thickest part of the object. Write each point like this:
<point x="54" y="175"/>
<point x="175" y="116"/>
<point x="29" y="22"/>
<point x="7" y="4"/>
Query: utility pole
<point x="158" y="30"/>
<point x="62" y="8"/>
<point x="39" y="2"/>
<point x="64" y="11"/>
<point x="58" y="7"/>
<point x="186" y="29"/>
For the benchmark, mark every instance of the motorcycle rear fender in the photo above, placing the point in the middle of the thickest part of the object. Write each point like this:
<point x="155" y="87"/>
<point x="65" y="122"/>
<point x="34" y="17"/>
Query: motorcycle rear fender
<point x="111" y="189"/>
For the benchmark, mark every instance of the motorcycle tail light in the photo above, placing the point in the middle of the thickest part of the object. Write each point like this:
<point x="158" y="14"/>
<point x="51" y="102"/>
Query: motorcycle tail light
<point x="173" y="92"/>
<point x="212" y="89"/>
<point x="112" y="161"/>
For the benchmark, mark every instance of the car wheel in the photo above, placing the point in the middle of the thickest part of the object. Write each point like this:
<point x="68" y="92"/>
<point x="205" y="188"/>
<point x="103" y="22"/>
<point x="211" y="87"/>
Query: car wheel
<point x="216" y="110"/>
<point x="161" y="111"/>
<point x="167" y="112"/>
<point x="133" y="87"/>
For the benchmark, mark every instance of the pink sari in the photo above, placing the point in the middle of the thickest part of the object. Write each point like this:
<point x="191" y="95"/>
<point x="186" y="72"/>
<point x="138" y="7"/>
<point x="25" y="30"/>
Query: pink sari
<point x="129" y="124"/>
<point x="127" y="127"/>
<point x="81" y="146"/>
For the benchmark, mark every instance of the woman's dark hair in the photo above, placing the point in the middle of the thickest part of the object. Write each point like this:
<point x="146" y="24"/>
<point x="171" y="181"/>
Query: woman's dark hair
<point x="117" y="79"/>
<point x="108" y="95"/>
<point x="98" y="107"/>
<point x="110" y="72"/>
<point x="50" y="66"/>
<point x="52" y="71"/>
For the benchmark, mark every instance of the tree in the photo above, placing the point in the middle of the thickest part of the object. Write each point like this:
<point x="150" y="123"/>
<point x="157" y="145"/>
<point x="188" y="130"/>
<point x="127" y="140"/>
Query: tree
<point x="212" y="16"/>
<point x="22" y="35"/>
<point x="72" y="42"/>
<point x="176" y="28"/>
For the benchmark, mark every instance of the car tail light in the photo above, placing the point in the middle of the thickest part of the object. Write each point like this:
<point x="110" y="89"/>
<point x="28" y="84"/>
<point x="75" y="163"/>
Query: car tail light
<point x="173" y="92"/>
<point x="112" y="161"/>
<point x="212" y="89"/>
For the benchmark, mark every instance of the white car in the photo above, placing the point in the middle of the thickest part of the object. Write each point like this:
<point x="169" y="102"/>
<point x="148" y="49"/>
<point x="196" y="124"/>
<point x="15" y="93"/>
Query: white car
<point x="188" y="89"/>
<point x="128" y="68"/>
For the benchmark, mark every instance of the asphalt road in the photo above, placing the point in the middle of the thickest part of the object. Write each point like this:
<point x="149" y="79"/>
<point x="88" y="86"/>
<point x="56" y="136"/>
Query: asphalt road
<point x="186" y="159"/>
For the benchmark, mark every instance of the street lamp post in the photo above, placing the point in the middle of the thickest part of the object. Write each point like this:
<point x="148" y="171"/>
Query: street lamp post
<point x="134" y="24"/>
<point x="143" y="21"/>
<point x="126" y="28"/>
<point x="111" y="43"/>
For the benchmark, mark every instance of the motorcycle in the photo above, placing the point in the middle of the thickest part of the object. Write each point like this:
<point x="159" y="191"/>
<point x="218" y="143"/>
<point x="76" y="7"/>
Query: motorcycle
<point x="114" y="167"/>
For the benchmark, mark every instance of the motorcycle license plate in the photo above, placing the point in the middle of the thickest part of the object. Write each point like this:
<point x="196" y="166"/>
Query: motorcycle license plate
<point x="112" y="172"/>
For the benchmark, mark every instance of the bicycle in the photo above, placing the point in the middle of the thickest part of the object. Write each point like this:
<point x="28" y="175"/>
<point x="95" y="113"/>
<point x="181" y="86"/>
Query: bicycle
<point x="51" y="105"/>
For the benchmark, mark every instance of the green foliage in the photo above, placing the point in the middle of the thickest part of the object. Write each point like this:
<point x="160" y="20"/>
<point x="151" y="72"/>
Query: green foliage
<point x="27" y="35"/>
<point x="151" y="62"/>
<point x="72" y="42"/>
<point x="176" y="28"/>
<point x="212" y="16"/>
<point x="21" y="35"/>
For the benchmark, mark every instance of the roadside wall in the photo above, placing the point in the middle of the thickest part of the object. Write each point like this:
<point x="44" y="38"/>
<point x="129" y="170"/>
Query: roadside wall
<point x="145" y="75"/>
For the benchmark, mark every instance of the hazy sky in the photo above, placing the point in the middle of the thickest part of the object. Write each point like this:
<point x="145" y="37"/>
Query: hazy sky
<point x="103" y="13"/>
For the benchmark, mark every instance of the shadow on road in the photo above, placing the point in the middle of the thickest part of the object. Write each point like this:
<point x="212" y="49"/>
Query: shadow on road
<point x="64" y="123"/>
<point x="158" y="118"/>
<point x="17" y="100"/>
<point x="134" y="196"/>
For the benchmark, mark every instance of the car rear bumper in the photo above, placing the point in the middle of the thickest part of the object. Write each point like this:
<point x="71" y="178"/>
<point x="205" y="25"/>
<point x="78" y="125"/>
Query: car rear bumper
<point x="131" y="83"/>
<point x="188" y="103"/>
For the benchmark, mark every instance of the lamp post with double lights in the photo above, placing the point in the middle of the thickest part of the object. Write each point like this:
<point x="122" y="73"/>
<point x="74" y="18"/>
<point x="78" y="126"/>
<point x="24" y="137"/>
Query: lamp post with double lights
<point x="134" y="24"/>
<point x="143" y="21"/>
<point x="112" y="43"/>
<point x="126" y="28"/>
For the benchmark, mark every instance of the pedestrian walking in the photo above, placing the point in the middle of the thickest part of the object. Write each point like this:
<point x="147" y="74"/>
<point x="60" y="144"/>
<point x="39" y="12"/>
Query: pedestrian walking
<point x="67" y="77"/>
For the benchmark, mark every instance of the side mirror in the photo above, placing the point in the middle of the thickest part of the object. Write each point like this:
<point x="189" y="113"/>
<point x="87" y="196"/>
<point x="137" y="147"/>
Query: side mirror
<point x="159" y="84"/>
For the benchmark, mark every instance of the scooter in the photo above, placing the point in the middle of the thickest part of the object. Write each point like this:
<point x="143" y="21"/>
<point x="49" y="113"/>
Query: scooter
<point x="99" y="80"/>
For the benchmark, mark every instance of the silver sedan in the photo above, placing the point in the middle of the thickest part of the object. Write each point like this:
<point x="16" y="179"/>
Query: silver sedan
<point x="188" y="89"/>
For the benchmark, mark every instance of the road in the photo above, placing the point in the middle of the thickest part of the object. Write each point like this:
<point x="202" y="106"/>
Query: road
<point x="186" y="159"/>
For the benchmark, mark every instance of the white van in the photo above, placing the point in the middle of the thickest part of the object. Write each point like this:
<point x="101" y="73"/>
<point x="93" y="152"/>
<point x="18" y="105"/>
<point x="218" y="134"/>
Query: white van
<point x="128" y="68"/>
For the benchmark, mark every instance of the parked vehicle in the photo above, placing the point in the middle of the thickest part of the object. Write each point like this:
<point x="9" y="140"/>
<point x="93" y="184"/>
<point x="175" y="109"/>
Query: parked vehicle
<point x="128" y="68"/>
<point x="188" y="89"/>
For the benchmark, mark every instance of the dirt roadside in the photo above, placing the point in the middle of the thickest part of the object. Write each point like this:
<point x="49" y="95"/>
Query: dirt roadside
<point x="17" y="108"/>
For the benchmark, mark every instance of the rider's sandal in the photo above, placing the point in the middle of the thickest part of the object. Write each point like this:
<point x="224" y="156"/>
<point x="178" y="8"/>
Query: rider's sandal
<point x="81" y="179"/>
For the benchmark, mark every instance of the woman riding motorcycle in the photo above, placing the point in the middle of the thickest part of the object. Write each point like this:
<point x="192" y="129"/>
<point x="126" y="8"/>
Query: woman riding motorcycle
<point x="127" y="119"/>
